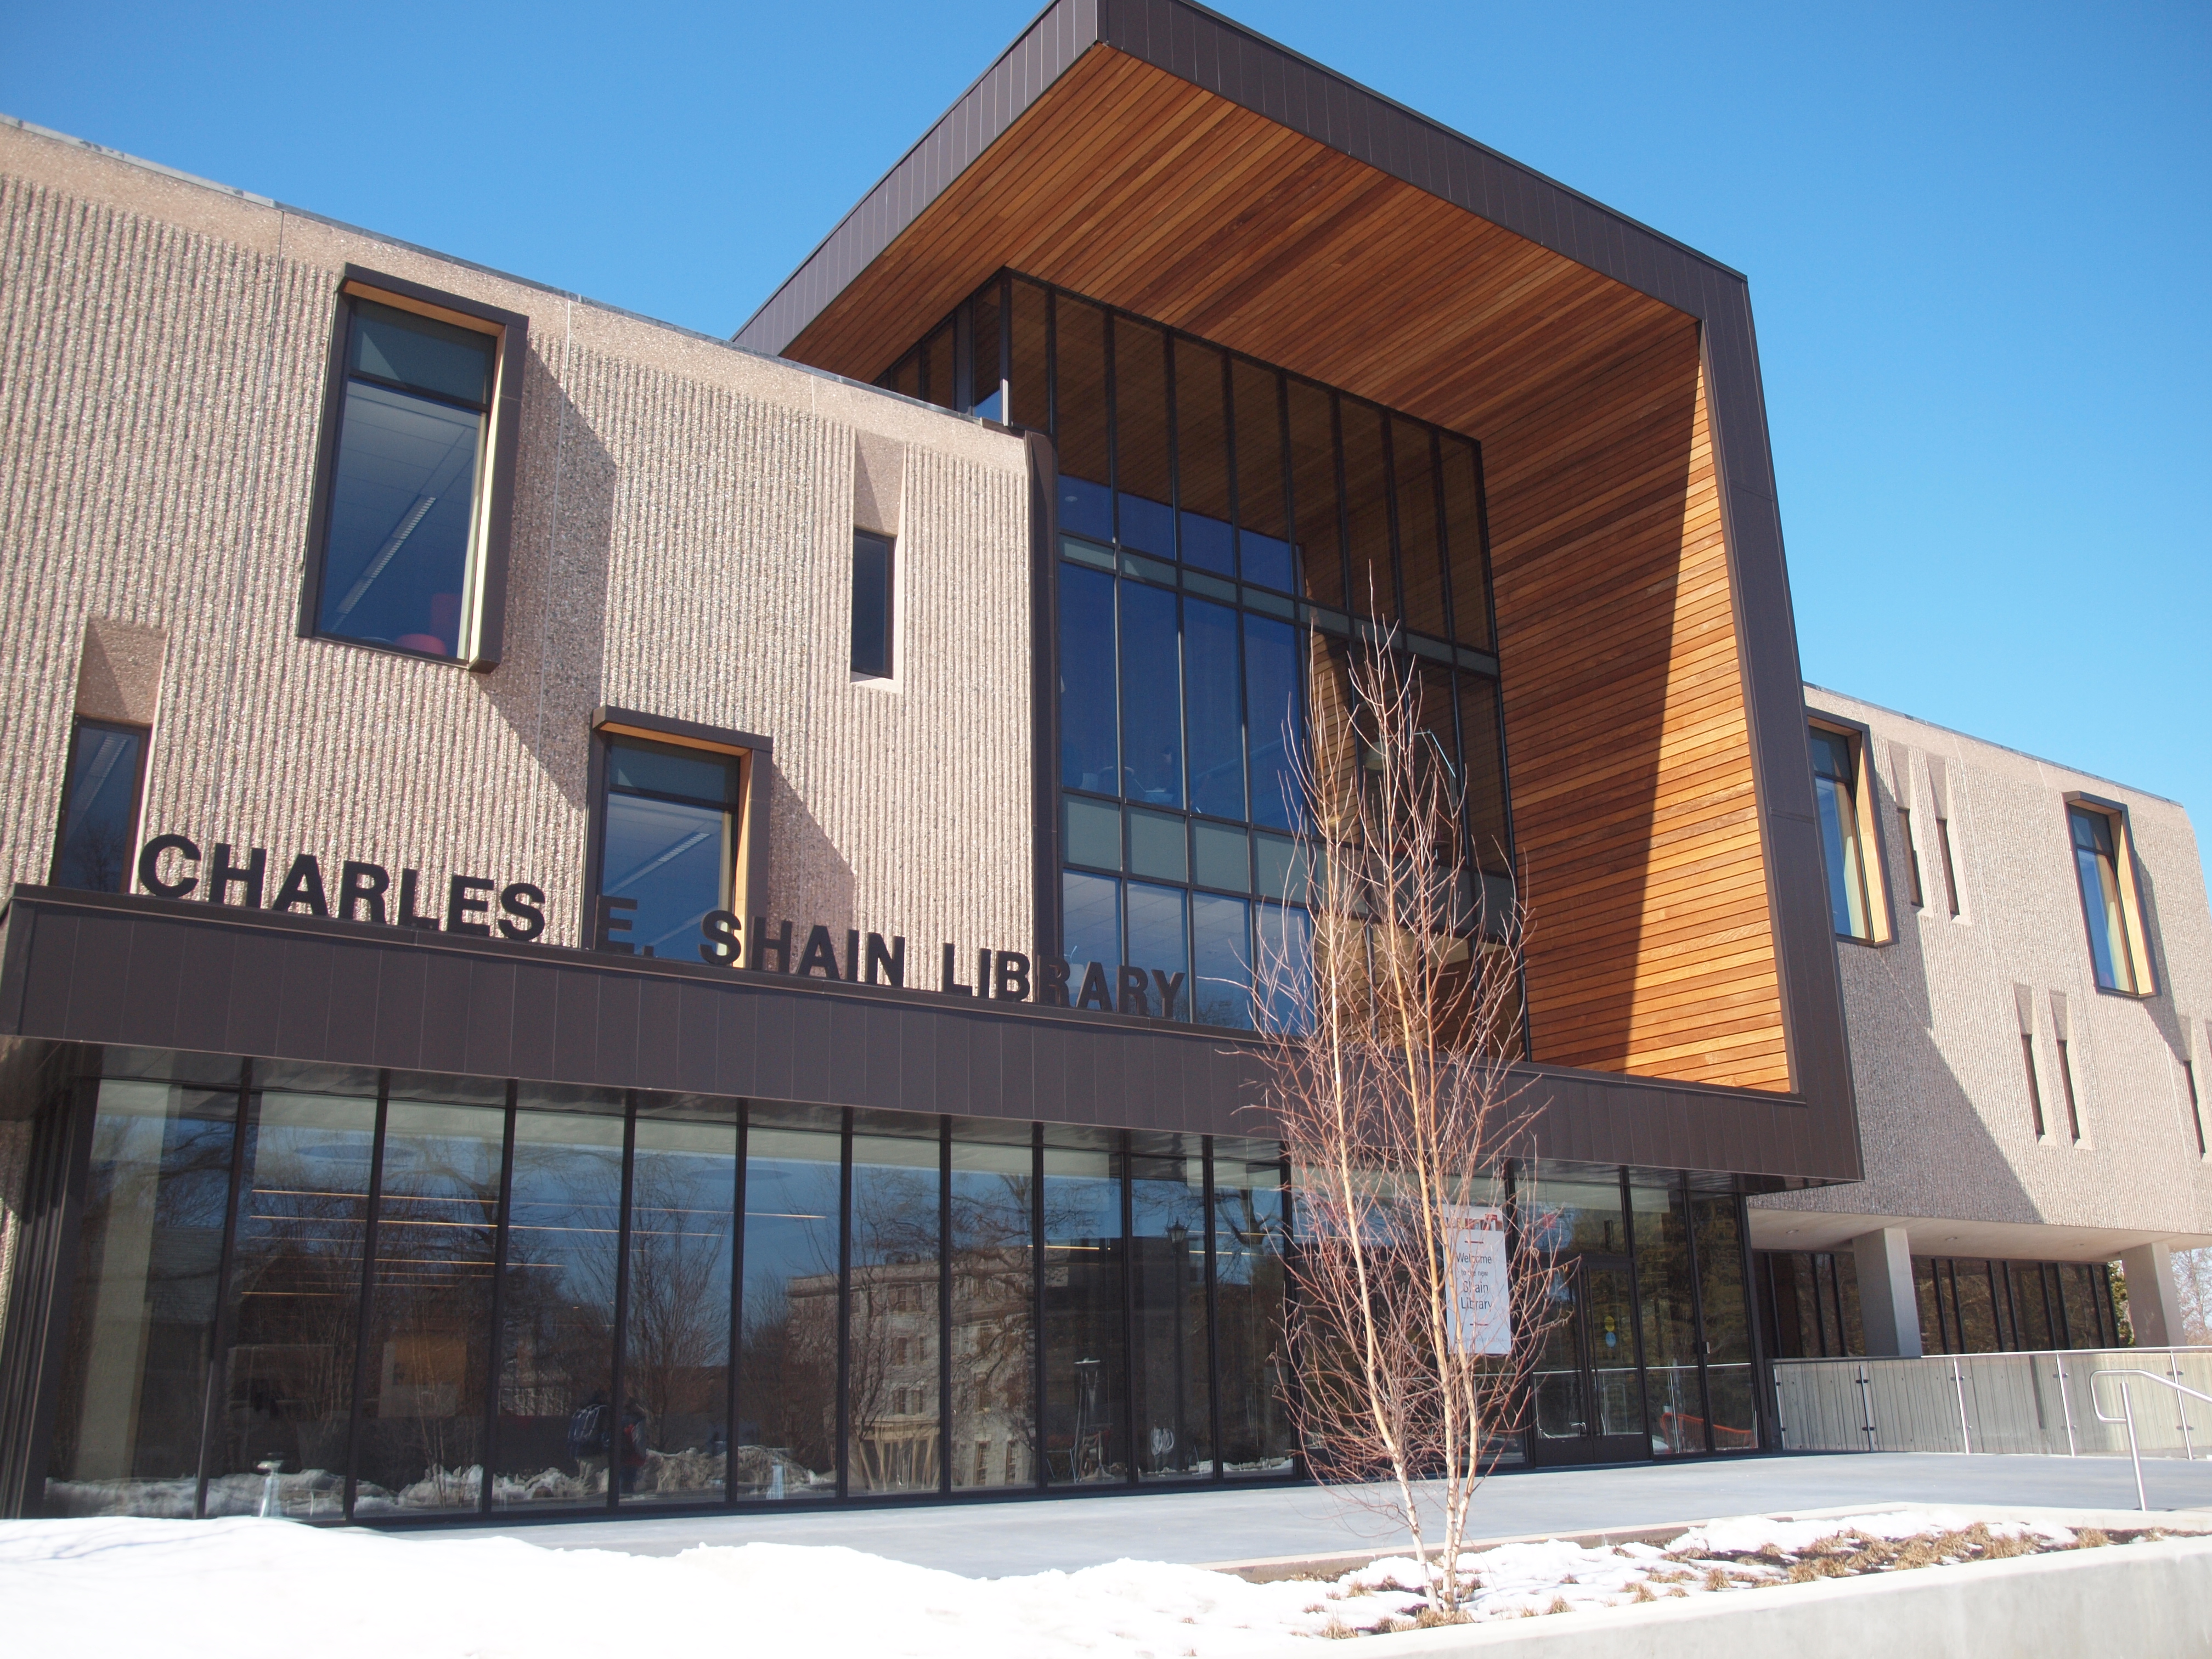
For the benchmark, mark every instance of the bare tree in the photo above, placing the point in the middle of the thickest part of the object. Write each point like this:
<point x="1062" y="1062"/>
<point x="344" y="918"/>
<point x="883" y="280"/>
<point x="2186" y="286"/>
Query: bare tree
<point x="1415" y="1321"/>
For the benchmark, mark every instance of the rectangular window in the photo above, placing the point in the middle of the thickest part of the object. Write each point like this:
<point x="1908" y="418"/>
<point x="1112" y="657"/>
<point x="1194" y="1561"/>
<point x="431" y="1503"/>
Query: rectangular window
<point x="2195" y="1107"/>
<point x="410" y="538"/>
<point x="670" y="830"/>
<point x="1911" y="857"/>
<point x="872" y="605"/>
<point x="1855" y="892"/>
<point x="99" y="807"/>
<point x="2107" y="879"/>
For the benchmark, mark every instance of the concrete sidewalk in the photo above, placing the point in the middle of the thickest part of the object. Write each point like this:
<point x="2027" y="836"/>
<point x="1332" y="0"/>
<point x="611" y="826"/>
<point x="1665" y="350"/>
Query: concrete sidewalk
<point x="1231" y="1523"/>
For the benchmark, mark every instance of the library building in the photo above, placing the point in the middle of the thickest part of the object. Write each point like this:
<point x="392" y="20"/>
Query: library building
<point x="599" y="920"/>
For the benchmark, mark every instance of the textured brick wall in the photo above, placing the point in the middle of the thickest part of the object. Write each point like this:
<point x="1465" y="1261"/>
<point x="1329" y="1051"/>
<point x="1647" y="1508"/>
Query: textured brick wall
<point x="682" y="521"/>
<point x="1935" y="1031"/>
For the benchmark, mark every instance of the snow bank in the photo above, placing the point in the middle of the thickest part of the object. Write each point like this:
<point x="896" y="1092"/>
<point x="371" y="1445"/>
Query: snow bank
<point x="242" y="1589"/>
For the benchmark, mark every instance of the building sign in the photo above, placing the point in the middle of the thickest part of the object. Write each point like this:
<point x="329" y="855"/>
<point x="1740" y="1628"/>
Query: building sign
<point x="175" y="866"/>
<point x="1482" y="1320"/>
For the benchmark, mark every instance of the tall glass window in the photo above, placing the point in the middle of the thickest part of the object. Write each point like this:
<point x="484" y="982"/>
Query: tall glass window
<point x="1210" y="506"/>
<point x="676" y="1344"/>
<point x="1249" y="1238"/>
<point x="1730" y="1389"/>
<point x="669" y="844"/>
<point x="2103" y="903"/>
<point x="405" y="519"/>
<point x="1674" y="1395"/>
<point x="1086" y="1380"/>
<point x="296" y="1295"/>
<point x="787" y="1383"/>
<point x="99" y="807"/>
<point x="891" y="1396"/>
<point x="422" y="1435"/>
<point x="992" y="1334"/>
<point x="562" y="1439"/>
<point x="1172" y="1411"/>
<point x="142" y="1321"/>
<point x="1835" y="784"/>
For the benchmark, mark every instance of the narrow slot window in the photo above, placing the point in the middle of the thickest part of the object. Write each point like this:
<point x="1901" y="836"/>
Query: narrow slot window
<point x="99" y="807"/>
<point x="1950" y="875"/>
<point x="872" y="605"/>
<point x="2104" y="898"/>
<point x="2066" y="1081"/>
<point x="1911" y="857"/>
<point x="2196" y="1108"/>
<point x="1835" y="783"/>
<point x="2035" y="1089"/>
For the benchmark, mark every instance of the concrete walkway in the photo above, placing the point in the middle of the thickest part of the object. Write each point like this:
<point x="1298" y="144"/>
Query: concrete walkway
<point x="1226" y="1524"/>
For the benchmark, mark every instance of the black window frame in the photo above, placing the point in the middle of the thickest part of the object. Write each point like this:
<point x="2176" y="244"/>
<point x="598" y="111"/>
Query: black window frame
<point x="78" y="726"/>
<point x="2135" y="943"/>
<point x="481" y="651"/>
<point x="1865" y="791"/>
<point x="868" y="541"/>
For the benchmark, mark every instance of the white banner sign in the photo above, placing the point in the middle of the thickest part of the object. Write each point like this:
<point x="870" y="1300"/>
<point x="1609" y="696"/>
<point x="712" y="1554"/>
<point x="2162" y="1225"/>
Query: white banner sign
<point x="1483" y="1321"/>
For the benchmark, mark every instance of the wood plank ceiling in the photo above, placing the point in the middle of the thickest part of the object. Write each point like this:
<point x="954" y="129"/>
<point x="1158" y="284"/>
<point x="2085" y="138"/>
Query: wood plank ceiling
<point x="1635" y="819"/>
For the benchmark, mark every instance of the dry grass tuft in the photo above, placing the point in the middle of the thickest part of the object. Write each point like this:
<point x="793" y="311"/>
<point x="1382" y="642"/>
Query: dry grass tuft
<point x="2091" y="1538"/>
<point x="1716" y="1578"/>
<point x="1558" y="1605"/>
<point x="1430" y="1617"/>
<point x="1337" y="1630"/>
<point x="1643" y="1592"/>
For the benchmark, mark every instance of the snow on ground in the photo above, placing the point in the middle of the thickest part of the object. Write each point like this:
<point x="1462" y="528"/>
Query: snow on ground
<point x="242" y="1589"/>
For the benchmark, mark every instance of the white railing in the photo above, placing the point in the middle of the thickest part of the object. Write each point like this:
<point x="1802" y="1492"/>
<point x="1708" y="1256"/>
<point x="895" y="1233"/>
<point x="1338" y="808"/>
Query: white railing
<point x="1993" y="1402"/>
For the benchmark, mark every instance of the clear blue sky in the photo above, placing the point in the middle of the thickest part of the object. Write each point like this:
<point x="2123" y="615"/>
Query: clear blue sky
<point x="1977" y="238"/>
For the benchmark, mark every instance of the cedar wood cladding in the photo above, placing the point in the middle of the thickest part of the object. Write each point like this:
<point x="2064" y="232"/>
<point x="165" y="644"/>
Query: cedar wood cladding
<point x="1678" y="931"/>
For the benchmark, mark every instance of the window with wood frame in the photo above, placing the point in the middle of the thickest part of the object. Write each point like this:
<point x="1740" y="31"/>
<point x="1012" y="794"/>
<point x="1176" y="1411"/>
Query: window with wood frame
<point x="414" y="481"/>
<point x="2111" y="908"/>
<point x="1858" y="901"/>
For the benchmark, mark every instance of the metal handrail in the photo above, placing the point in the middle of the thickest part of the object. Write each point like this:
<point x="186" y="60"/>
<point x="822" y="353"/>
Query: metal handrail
<point x="2128" y="1413"/>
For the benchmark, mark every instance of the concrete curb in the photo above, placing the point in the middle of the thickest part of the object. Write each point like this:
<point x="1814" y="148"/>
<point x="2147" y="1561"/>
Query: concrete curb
<point x="1271" y="1569"/>
<point x="2146" y="1601"/>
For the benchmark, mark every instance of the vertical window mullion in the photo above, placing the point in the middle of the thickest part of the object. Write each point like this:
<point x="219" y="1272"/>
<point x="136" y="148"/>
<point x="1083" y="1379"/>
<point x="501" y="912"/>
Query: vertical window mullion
<point x="619" y="1388"/>
<point x="1040" y="1475"/>
<point x="844" y="1413"/>
<point x="735" y="1348"/>
<point x="945" y="1303"/>
<point x="222" y="1326"/>
<point x="1212" y="1308"/>
<point x="1128" y="1413"/>
<point x="1697" y="1299"/>
<point x="368" y="1291"/>
<point x="494" y="1371"/>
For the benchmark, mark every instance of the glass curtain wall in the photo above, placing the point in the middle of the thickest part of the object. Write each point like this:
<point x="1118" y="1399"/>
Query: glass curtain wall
<point x="1222" y="521"/>
<point x="331" y="1294"/>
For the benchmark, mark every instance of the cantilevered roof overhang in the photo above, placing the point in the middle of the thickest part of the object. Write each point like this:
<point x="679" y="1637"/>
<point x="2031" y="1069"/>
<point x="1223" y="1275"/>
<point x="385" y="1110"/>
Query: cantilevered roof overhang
<point x="1155" y="155"/>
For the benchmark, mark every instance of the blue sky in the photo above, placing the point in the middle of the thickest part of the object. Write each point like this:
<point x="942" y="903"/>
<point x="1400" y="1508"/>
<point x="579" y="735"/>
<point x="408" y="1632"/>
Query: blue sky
<point x="1978" y="239"/>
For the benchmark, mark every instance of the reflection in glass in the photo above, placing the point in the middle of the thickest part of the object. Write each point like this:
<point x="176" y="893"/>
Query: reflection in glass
<point x="671" y="841"/>
<point x="1213" y="709"/>
<point x="1282" y="965"/>
<point x="1202" y="458"/>
<point x="1314" y="494"/>
<point x="1370" y="580"/>
<point x="676" y="1349"/>
<point x="1271" y="695"/>
<point x="562" y="1438"/>
<point x="422" y="1406"/>
<point x="403" y="502"/>
<point x="1221" y="971"/>
<point x="1087" y="681"/>
<point x="1421" y="560"/>
<point x="1086" y="497"/>
<point x="1263" y="538"/>
<point x="1470" y="571"/>
<point x="1835" y="790"/>
<point x="1156" y="944"/>
<point x="1674" y="1411"/>
<point x="1728" y="1383"/>
<point x="1084" y="1402"/>
<point x="1152" y="703"/>
<point x="1167" y="1267"/>
<point x="892" y="1339"/>
<point x="126" y="1440"/>
<point x="295" y="1302"/>
<point x="1248" y="1243"/>
<point x="1091" y="910"/>
<point x="994" y="1319"/>
<point x="102" y="798"/>
<point x="1142" y="487"/>
<point x="2096" y="866"/>
<point x="787" y="1386"/>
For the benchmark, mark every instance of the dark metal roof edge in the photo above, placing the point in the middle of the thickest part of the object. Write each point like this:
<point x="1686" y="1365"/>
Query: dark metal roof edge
<point x="1105" y="22"/>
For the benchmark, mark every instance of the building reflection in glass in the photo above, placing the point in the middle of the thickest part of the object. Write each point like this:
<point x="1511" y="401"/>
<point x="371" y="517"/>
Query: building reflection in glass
<point x="324" y="1293"/>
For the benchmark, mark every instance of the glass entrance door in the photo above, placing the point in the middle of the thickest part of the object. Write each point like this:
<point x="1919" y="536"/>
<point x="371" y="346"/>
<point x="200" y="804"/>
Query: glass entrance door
<point x="1587" y="1406"/>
